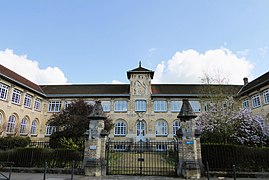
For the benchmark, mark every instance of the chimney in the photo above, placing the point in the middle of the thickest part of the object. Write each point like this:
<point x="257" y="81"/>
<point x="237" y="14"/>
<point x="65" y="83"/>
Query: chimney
<point x="245" y="79"/>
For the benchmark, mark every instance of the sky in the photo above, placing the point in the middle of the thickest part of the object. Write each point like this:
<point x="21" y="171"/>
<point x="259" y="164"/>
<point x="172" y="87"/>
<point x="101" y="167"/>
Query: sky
<point x="98" y="41"/>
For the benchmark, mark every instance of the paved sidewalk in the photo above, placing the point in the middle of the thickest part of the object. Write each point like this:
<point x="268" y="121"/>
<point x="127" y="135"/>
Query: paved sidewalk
<point x="39" y="176"/>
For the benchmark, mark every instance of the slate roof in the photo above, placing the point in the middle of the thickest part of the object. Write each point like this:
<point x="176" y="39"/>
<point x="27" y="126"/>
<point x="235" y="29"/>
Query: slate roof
<point x="256" y="84"/>
<point x="140" y="70"/>
<point x="122" y="90"/>
<point x="115" y="90"/>
<point x="186" y="90"/>
<point x="86" y="90"/>
<point x="18" y="79"/>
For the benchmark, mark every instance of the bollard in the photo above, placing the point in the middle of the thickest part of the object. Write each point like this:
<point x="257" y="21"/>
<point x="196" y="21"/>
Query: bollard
<point x="72" y="170"/>
<point x="45" y="170"/>
<point x="234" y="172"/>
<point x="207" y="170"/>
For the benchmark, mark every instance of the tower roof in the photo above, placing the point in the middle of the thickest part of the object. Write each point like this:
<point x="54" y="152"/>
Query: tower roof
<point x="140" y="70"/>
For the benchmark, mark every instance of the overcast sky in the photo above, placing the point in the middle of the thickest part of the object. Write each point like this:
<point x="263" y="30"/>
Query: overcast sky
<point x="58" y="42"/>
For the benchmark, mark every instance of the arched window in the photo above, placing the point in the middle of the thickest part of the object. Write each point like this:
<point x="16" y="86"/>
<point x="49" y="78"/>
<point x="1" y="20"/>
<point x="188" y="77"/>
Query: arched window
<point x="50" y="129"/>
<point x="11" y="124"/>
<point x="176" y="126"/>
<point x="34" y="127"/>
<point x="1" y="119"/>
<point x="23" y="126"/>
<point x="120" y="128"/>
<point x="161" y="128"/>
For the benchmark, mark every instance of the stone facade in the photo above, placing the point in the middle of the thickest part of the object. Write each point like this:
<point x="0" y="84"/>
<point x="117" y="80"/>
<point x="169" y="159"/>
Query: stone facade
<point x="140" y="110"/>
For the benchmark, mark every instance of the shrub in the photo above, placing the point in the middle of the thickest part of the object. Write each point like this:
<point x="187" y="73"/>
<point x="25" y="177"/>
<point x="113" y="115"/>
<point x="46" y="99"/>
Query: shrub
<point x="13" y="142"/>
<point x="224" y="156"/>
<point x="36" y="157"/>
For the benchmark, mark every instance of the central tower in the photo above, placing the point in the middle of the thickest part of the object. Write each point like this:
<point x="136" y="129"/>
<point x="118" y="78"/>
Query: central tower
<point x="140" y="82"/>
<point x="140" y="98"/>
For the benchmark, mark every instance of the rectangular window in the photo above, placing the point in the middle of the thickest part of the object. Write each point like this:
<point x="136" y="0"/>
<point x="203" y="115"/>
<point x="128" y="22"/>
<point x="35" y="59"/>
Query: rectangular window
<point x="176" y="106"/>
<point x="3" y="91"/>
<point x="28" y="101"/>
<point x="266" y="96"/>
<point x="160" y="106"/>
<point x="106" y="106"/>
<point x="161" y="147"/>
<point x="120" y="106"/>
<point x="196" y="106"/>
<point x="245" y="103"/>
<point x="256" y="101"/>
<point x="54" y="106"/>
<point x="16" y="96"/>
<point x="140" y="105"/>
<point x="37" y="104"/>
<point x="67" y="104"/>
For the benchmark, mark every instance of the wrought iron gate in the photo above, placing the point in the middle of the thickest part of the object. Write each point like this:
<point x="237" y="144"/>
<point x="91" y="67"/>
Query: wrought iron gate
<point x="142" y="158"/>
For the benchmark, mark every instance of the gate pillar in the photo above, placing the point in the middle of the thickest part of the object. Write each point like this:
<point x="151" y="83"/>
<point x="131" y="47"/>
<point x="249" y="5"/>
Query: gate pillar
<point x="189" y="164"/>
<point x="94" y="162"/>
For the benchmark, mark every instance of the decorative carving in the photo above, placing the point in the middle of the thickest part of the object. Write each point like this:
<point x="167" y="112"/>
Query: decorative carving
<point x="140" y="86"/>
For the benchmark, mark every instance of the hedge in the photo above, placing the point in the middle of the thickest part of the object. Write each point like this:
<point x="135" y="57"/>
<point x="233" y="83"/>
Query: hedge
<point x="36" y="157"/>
<point x="223" y="157"/>
<point x="13" y="142"/>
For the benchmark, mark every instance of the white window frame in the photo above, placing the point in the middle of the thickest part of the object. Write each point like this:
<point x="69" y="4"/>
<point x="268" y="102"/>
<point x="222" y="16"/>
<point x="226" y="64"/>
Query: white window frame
<point x="16" y="96"/>
<point x="176" y="126"/>
<point x="11" y="124"/>
<point x="175" y="105"/>
<point x="106" y="106"/>
<point x="121" y="106"/>
<point x="3" y="91"/>
<point x="23" y="126"/>
<point x="37" y="104"/>
<point x="67" y="104"/>
<point x="245" y="103"/>
<point x="120" y="128"/>
<point x="161" y="147"/>
<point x="140" y="105"/>
<point x="119" y="147"/>
<point x="54" y="106"/>
<point x="196" y="106"/>
<point x="160" y="106"/>
<point x="266" y="96"/>
<point x="161" y="128"/>
<point x="256" y="101"/>
<point x="50" y="129"/>
<point x="34" y="125"/>
<point x="28" y="101"/>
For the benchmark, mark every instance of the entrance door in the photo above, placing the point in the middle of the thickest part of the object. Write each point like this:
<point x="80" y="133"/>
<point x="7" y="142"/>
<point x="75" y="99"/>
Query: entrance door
<point x="140" y="131"/>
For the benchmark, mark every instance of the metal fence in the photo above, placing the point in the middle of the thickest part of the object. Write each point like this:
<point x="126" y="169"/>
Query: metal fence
<point x="39" y="144"/>
<point x="36" y="157"/>
<point x="244" y="159"/>
<point x="142" y="158"/>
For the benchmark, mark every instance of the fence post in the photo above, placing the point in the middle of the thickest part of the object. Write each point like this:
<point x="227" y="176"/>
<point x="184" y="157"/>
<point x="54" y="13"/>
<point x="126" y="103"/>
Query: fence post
<point x="10" y="170"/>
<point x="45" y="170"/>
<point x="234" y="172"/>
<point x="207" y="170"/>
<point x="72" y="171"/>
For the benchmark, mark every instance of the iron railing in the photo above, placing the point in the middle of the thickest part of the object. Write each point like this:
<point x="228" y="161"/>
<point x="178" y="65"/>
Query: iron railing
<point x="142" y="158"/>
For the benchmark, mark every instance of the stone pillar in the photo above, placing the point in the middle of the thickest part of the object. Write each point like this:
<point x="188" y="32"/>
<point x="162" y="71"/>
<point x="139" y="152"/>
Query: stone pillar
<point x="189" y="165"/>
<point x="94" y="153"/>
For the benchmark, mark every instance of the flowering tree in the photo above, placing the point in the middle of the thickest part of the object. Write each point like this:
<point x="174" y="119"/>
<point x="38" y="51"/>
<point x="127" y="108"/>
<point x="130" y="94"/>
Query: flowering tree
<point x="224" y="123"/>
<point x="249" y="129"/>
<point x="215" y="123"/>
